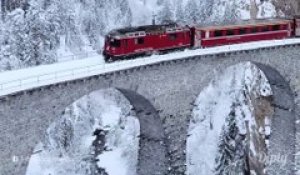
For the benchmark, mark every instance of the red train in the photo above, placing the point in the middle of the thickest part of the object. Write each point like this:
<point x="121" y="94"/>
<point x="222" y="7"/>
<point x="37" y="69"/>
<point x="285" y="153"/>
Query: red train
<point x="146" y="40"/>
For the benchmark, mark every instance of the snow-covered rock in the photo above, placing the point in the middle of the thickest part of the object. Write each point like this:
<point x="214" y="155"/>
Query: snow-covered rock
<point x="232" y="93"/>
<point x="95" y="133"/>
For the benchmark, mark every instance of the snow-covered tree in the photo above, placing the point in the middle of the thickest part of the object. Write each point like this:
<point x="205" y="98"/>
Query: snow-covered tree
<point x="205" y="10"/>
<point x="125" y="15"/>
<point x="231" y="13"/>
<point x="165" y="15"/>
<point x="12" y="40"/>
<point x="43" y="28"/>
<point x="31" y="37"/>
<point x="231" y="148"/>
<point x="180" y="14"/>
<point x="192" y="12"/>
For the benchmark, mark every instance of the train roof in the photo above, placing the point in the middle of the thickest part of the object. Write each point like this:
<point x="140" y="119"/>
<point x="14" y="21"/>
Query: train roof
<point x="147" y="29"/>
<point x="131" y="32"/>
<point x="246" y="23"/>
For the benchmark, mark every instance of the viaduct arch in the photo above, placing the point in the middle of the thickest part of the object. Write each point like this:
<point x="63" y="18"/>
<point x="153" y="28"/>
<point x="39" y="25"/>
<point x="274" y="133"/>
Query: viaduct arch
<point x="171" y="87"/>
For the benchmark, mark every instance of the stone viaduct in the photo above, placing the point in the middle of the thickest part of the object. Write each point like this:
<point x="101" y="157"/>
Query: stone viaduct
<point x="171" y="87"/>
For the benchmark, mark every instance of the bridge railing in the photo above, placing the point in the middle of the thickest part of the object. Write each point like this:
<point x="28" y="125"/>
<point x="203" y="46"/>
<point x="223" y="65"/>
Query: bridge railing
<point x="77" y="56"/>
<point x="54" y="77"/>
<point x="9" y="87"/>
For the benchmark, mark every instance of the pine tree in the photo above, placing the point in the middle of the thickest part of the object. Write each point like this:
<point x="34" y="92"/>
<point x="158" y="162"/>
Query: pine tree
<point x="126" y="14"/>
<point x="192" y="12"/>
<point x="43" y="28"/>
<point x="165" y="15"/>
<point x="180" y="15"/>
<point x="205" y="10"/>
<point x="12" y="40"/>
<point x="231" y="12"/>
<point x="231" y="157"/>
<point x="2" y="9"/>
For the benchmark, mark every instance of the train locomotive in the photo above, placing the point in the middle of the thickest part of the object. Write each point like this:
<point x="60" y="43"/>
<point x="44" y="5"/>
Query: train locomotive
<point x="151" y="39"/>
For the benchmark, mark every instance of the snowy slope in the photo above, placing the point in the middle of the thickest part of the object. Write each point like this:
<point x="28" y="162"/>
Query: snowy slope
<point x="78" y="27"/>
<point x="233" y="88"/>
<point x="142" y="11"/>
<point x="72" y="147"/>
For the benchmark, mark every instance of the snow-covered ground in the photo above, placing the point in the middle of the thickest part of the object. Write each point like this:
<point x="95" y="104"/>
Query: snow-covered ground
<point x="71" y="146"/>
<point x="64" y="53"/>
<point x="19" y="80"/>
<point x="232" y="92"/>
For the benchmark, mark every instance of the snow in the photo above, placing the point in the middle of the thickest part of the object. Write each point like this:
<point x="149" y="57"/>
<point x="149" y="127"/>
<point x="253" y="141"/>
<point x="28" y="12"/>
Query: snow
<point x="84" y="24"/>
<point x="68" y="145"/>
<point x="19" y="80"/>
<point x="114" y="163"/>
<point x="213" y="105"/>
<point x="242" y="9"/>
<point x="268" y="130"/>
<point x="266" y="10"/>
<point x="143" y="11"/>
<point x="64" y="53"/>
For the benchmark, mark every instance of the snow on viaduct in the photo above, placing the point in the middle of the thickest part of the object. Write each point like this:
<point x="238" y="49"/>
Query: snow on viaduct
<point x="164" y="93"/>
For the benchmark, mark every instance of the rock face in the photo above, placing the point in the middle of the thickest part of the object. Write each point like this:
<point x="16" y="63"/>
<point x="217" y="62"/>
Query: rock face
<point x="231" y="123"/>
<point x="282" y="141"/>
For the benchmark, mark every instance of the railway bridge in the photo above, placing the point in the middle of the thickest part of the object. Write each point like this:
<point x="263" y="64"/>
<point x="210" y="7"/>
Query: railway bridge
<point x="169" y="88"/>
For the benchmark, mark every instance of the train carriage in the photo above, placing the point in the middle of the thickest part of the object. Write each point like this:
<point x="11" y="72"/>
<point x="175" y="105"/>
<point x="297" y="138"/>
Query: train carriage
<point x="145" y="40"/>
<point x="247" y="31"/>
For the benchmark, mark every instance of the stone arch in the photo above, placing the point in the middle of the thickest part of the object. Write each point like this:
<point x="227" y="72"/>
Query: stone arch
<point x="282" y="138"/>
<point x="152" y="154"/>
<point x="152" y="151"/>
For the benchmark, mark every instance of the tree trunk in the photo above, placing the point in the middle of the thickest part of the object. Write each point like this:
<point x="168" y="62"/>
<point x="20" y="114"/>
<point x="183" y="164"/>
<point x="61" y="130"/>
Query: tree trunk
<point x="3" y="9"/>
<point x="253" y="9"/>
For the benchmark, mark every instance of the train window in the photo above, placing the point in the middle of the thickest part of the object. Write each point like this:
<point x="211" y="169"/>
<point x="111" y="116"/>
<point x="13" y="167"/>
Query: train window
<point x="115" y="43"/>
<point x="218" y="33"/>
<point x="265" y="29"/>
<point x="254" y="30"/>
<point x="276" y="27"/>
<point x="173" y="36"/>
<point x="283" y="27"/>
<point x="126" y="43"/>
<point x="139" y="41"/>
<point x="229" y="32"/>
<point x="242" y="31"/>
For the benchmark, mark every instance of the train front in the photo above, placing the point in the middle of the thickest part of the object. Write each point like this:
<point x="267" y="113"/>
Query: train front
<point x="111" y="48"/>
